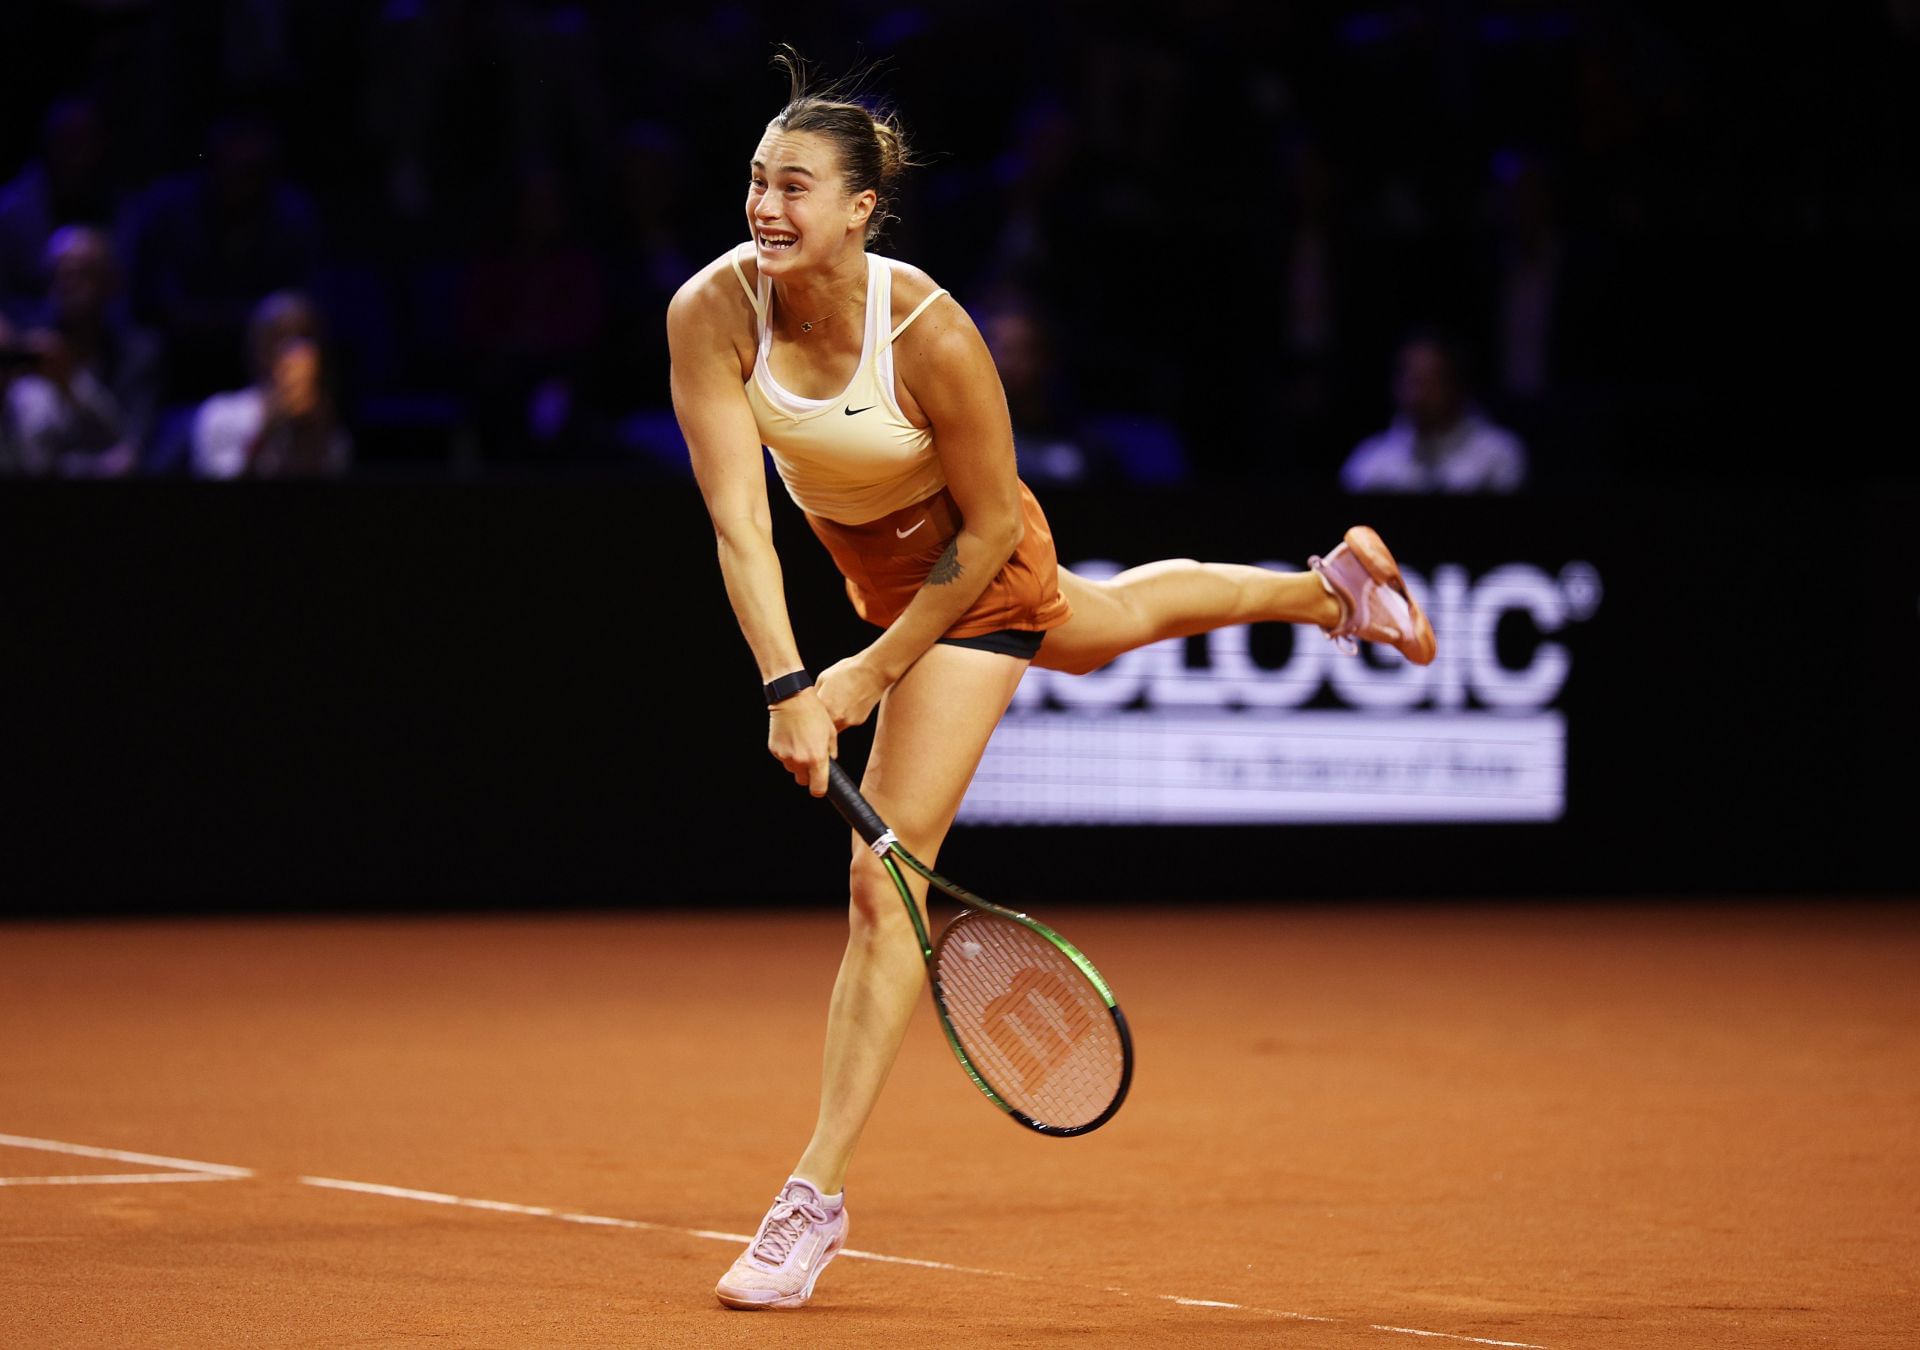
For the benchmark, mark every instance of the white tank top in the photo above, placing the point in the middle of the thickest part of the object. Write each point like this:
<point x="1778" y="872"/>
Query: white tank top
<point x="854" y="457"/>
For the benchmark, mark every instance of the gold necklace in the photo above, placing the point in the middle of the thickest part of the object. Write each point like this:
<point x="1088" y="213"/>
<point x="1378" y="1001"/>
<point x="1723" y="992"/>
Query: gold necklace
<point x="807" y="326"/>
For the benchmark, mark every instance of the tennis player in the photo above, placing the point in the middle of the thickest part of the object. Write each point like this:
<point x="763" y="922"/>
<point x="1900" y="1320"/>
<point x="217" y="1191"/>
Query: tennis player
<point x="880" y="405"/>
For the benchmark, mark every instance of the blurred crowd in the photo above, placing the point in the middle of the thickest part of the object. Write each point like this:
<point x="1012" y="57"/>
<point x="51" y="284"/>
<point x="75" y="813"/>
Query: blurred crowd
<point x="1468" y="246"/>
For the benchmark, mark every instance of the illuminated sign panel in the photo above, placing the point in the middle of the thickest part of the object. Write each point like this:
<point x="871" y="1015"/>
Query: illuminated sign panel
<point x="1199" y="731"/>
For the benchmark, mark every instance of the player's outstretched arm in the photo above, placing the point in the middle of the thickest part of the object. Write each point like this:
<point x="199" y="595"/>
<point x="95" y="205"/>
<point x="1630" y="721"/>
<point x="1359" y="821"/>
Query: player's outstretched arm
<point x="710" y="401"/>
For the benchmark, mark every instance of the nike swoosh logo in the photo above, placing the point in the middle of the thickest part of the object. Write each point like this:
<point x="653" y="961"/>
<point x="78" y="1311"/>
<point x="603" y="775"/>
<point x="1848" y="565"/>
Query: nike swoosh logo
<point x="852" y="411"/>
<point x="902" y="534"/>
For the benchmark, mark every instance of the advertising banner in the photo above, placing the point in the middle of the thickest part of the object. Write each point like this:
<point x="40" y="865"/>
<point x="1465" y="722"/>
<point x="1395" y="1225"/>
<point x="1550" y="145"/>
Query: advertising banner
<point x="1275" y="725"/>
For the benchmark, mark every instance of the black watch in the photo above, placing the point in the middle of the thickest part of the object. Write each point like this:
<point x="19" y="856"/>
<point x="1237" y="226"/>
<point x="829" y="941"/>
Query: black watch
<point x="784" y="688"/>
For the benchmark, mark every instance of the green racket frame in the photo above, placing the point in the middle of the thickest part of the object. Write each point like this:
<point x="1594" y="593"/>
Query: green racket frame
<point x="867" y="823"/>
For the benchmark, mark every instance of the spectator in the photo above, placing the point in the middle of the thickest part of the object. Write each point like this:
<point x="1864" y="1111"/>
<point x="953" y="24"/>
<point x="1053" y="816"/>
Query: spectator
<point x="67" y="183"/>
<point x="1529" y="281"/>
<point x="283" y="425"/>
<point x="210" y="244"/>
<point x="86" y="406"/>
<point x="645" y="262"/>
<point x="415" y="54"/>
<point x="1032" y="213"/>
<point x="1311" y="304"/>
<point x="13" y="356"/>
<point x="533" y="310"/>
<point x="1022" y="345"/>
<point x="1438" y="442"/>
<point x="549" y="57"/>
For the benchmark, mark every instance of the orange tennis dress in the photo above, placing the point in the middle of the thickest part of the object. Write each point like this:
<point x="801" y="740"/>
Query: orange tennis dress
<point x="872" y="487"/>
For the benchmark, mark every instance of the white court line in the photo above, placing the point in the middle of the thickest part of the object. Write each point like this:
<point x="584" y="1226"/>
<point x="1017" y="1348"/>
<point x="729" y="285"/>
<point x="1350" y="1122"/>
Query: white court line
<point x="544" y="1212"/>
<point x="121" y="1155"/>
<point x="188" y="1169"/>
<point x="504" y="1207"/>
<point x="601" y="1220"/>
<point x="128" y="1179"/>
<point x="884" y="1259"/>
<point x="1477" y="1340"/>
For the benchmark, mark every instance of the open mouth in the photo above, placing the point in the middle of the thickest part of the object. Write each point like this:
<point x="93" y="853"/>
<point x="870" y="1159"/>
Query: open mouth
<point x="777" y="243"/>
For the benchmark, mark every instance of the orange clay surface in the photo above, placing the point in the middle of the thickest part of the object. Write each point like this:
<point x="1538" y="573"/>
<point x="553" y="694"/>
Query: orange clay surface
<point x="1560" y="1127"/>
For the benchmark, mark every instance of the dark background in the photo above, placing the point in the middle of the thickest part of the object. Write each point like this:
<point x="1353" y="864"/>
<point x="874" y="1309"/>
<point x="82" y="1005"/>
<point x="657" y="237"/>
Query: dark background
<point x="495" y="665"/>
<point x="502" y="695"/>
<point x="495" y="197"/>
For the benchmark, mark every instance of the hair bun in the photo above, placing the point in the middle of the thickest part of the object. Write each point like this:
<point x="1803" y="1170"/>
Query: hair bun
<point x="893" y="148"/>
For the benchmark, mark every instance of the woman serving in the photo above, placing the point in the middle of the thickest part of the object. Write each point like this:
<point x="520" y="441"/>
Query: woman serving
<point x="878" y="400"/>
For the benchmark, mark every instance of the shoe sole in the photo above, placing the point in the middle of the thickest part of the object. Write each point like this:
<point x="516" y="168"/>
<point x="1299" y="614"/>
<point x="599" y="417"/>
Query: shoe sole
<point x="1374" y="555"/>
<point x="798" y="1300"/>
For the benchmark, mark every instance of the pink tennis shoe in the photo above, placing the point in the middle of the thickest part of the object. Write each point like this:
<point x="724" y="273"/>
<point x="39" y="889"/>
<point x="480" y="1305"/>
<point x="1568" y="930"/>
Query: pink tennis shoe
<point x="1375" y="606"/>
<point x="801" y="1233"/>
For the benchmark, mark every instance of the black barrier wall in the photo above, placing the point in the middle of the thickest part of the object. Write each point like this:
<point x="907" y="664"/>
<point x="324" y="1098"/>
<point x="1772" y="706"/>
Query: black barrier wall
<point x="290" y="697"/>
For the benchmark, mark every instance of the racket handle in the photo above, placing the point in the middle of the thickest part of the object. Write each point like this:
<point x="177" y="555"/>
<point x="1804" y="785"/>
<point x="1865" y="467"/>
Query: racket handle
<point x="847" y="800"/>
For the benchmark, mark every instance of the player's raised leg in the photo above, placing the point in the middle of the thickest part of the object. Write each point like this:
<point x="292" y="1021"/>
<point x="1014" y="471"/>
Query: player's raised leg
<point x="933" y="728"/>
<point x="1356" y="592"/>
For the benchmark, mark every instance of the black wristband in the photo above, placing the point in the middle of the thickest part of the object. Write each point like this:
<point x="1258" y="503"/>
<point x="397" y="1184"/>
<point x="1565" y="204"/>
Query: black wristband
<point x="787" y="686"/>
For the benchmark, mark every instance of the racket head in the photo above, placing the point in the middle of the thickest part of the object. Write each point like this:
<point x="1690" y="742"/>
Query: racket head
<point x="1032" y="1022"/>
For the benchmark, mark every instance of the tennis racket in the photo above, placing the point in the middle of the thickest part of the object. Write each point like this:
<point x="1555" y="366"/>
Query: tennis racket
<point x="1027" y="1016"/>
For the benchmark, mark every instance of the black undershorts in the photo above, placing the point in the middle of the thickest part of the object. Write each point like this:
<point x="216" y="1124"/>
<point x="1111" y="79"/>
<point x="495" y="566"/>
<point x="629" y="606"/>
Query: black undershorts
<point x="1021" y="642"/>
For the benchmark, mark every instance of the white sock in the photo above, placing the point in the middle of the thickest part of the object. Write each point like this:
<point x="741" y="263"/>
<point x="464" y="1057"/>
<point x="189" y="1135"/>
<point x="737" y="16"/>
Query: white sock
<point x="833" y="1201"/>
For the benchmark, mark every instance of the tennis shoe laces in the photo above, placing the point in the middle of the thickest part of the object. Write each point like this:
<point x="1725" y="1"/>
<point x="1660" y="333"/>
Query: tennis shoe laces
<point x="1374" y="603"/>
<point x="800" y="1234"/>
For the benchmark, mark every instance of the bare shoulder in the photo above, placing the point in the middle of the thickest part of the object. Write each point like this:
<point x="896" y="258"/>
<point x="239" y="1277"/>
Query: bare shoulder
<point x="712" y="300"/>
<point x="911" y="285"/>
<point x="943" y="328"/>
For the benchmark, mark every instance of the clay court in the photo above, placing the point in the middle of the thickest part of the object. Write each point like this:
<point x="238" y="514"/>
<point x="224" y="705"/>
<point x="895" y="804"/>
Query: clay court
<point x="1368" y="1127"/>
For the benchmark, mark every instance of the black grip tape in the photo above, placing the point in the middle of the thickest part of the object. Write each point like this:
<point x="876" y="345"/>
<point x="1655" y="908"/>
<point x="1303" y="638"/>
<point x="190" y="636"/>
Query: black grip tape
<point x="847" y="800"/>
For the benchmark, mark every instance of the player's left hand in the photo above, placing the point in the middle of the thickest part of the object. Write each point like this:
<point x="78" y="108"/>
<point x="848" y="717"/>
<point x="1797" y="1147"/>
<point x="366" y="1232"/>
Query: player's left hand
<point x="848" y="690"/>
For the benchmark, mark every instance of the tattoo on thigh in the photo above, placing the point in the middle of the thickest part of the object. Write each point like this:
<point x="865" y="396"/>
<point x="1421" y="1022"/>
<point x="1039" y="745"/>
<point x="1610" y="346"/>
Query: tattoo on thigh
<point x="946" y="567"/>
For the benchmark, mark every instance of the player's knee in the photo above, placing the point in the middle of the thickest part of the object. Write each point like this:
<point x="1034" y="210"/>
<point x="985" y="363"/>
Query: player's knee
<point x="875" y="899"/>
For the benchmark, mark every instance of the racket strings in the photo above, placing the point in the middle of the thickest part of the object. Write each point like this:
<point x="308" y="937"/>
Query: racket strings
<point x="1031" y="1022"/>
